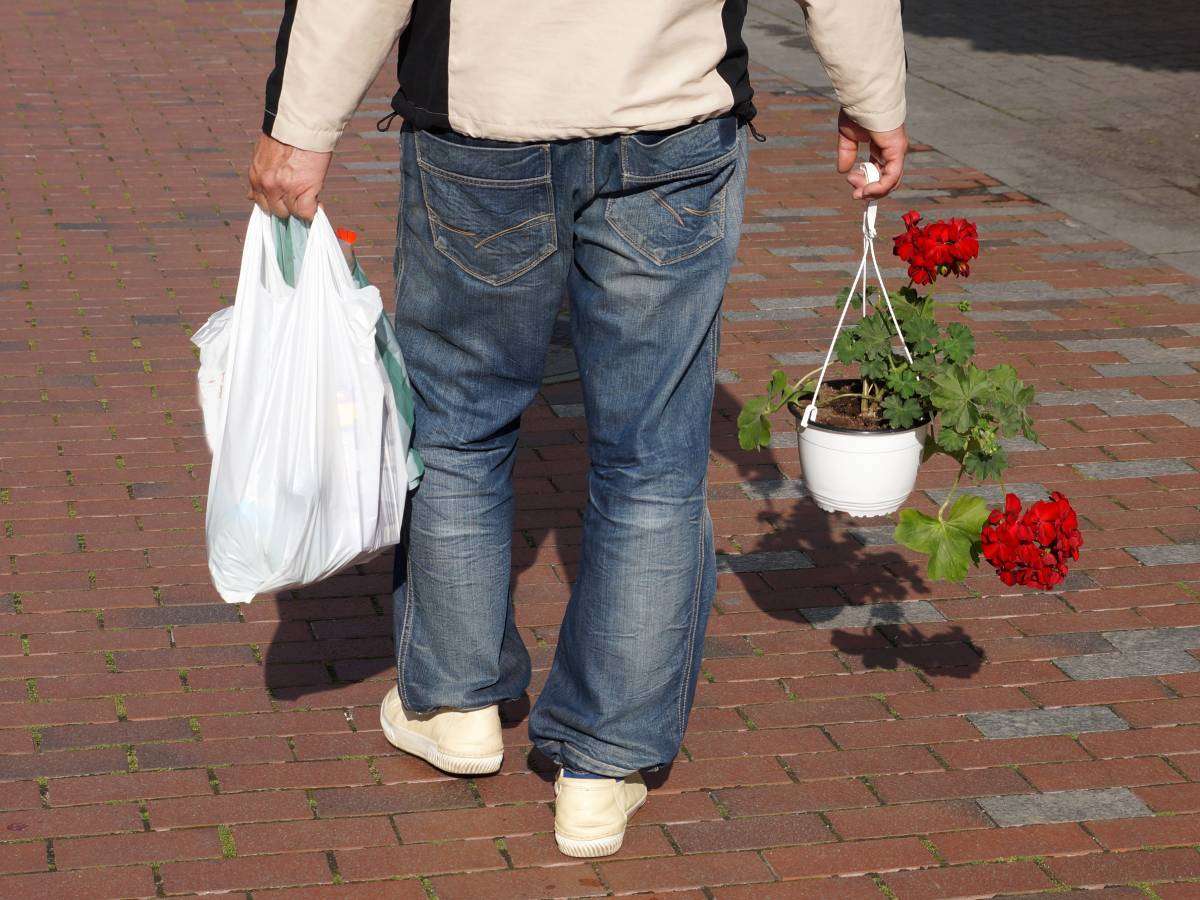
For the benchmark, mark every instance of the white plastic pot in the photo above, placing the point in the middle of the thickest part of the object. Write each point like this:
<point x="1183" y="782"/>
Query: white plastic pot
<point x="863" y="473"/>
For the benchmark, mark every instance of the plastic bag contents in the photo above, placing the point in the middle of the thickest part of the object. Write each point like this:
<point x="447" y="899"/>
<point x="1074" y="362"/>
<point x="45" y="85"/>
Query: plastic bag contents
<point x="308" y="414"/>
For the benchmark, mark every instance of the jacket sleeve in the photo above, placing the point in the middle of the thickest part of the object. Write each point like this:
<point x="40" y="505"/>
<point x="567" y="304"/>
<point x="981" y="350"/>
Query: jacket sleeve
<point x="326" y="56"/>
<point x="861" y="45"/>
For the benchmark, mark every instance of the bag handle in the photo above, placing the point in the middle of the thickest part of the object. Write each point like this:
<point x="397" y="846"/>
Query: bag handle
<point x="871" y="171"/>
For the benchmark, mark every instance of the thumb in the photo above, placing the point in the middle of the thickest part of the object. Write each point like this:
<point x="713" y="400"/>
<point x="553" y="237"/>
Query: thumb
<point x="847" y="152"/>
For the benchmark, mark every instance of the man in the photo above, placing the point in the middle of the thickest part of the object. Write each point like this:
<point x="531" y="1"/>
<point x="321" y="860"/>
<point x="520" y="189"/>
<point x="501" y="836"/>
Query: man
<point x="596" y="150"/>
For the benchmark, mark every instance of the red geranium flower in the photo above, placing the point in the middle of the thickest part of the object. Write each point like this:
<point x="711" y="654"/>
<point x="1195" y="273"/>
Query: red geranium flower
<point x="939" y="248"/>
<point x="1032" y="549"/>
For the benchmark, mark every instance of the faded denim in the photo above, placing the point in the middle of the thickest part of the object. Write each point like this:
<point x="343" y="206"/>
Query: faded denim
<point x="640" y="232"/>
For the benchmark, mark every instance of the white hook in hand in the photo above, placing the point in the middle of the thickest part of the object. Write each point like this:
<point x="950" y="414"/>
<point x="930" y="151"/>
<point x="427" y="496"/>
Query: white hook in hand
<point x="871" y="171"/>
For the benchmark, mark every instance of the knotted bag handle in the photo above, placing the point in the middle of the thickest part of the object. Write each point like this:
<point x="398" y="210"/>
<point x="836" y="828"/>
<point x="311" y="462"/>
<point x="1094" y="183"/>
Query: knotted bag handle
<point x="868" y="252"/>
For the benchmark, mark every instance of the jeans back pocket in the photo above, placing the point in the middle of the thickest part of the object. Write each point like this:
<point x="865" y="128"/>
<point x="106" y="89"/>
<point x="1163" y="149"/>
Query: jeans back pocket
<point x="672" y="200"/>
<point x="490" y="208"/>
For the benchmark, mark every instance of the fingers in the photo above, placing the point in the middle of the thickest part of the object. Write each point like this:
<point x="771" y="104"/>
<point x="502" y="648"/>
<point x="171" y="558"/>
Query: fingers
<point x="304" y="206"/>
<point x="888" y="149"/>
<point x="890" y="172"/>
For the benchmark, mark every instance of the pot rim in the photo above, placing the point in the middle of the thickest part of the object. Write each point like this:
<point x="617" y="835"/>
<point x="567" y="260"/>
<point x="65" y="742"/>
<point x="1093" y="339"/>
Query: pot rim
<point x="798" y="412"/>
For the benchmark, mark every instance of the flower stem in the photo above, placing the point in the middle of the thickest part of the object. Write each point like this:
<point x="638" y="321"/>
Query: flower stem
<point x="950" y="496"/>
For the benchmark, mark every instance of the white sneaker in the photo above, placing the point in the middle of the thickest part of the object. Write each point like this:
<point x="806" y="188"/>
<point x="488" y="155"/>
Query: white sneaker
<point x="461" y="742"/>
<point x="590" y="814"/>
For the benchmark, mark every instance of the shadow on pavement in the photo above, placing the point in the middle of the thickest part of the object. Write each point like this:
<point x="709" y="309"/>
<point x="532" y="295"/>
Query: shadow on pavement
<point x="847" y="570"/>
<point x="335" y="638"/>
<point x="1158" y="36"/>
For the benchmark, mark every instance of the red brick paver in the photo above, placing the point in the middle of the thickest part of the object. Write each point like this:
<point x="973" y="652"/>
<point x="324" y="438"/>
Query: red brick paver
<point x="156" y="741"/>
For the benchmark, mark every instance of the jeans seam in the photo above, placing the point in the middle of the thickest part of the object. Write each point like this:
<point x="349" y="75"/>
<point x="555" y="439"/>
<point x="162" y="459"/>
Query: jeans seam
<point x="405" y="629"/>
<point x="695" y="611"/>
<point x="400" y="257"/>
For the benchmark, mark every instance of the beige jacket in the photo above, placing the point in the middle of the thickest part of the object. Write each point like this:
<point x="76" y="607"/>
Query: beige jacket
<point x="522" y="70"/>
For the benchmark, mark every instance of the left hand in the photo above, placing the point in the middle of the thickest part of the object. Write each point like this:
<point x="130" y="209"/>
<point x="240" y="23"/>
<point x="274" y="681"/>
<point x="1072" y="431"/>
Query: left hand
<point x="887" y="150"/>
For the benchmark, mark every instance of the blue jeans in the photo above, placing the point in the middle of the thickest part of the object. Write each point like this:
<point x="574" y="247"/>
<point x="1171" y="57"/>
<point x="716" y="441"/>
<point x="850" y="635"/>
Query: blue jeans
<point x="639" y="231"/>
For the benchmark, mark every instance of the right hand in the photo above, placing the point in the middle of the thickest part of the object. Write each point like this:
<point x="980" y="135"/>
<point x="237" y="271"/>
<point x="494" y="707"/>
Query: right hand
<point x="285" y="180"/>
<point x="887" y="150"/>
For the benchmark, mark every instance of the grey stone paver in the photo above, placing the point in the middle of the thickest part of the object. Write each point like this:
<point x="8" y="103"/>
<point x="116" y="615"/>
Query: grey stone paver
<point x="870" y="614"/>
<point x="1100" y="398"/>
<point x="1064" y="806"/>
<point x="811" y="358"/>
<point x="567" y="410"/>
<point x="766" y="561"/>
<point x="1166" y="555"/>
<point x="1134" y="468"/>
<point x="1037" y="722"/>
<point x="1186" y="411"/>
<point x="784" y="438"/>
<point x="1020" y="445"/>
<point x="815" y="250"/>
<point x="791" y="302"/>
<point x="994" y="493"/>
<point x="1134" y="664"/>
<point x="1187" y="638"/>
<point x="1136" y="350"/>
<point x="874" y="535"/>
<point x="727" y="376"/>
<point x="763" y="315"/>
<point x="1141" y="370"/>
<point x="1011" y="315"/>
<point x="797" y="212"/>
<point x="1020" y="290"/>
<point x="777" y="489"/>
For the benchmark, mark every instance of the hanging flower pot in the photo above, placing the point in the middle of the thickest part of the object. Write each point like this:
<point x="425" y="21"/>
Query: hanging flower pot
<point x="863" y="438"/>
<point x="858" y="470"/>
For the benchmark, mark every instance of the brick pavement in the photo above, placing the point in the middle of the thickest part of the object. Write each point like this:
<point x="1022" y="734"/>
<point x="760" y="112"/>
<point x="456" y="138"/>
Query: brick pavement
<point x="854" y="722"/>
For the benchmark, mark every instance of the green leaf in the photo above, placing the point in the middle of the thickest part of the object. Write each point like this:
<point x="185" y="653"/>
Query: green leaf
<point x="901" y="413"/>
<point x="957" y="393"/>
<point x="754" y="428"/>
<point x="950" y="543"/>
<point x="875" y="368"/>
<point x="876" y="337"/>
<point x="968" y="514"/>
<point x="921" y="333"/>
<point x="903" y="381"/>
<point x="778" y="384"/>
<point x="984" y="466"/>
<point x="950" y="441"/>
<point x="958" y="345"/>
<point x="847" y="347"/>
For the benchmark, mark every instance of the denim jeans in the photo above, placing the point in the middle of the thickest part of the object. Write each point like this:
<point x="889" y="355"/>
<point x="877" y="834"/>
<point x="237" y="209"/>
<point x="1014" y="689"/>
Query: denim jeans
<point x="639" y="231"/>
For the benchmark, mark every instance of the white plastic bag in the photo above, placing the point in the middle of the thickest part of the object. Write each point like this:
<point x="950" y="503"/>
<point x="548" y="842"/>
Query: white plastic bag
<point x="309" y="448"/>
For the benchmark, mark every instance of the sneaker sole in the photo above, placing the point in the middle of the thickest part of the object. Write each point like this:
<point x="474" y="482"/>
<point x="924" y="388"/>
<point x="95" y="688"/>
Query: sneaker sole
<point x="426" y="749"/>
<point x="591" y="847"/>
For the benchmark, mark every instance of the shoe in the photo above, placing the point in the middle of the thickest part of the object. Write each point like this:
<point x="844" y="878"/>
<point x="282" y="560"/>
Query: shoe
<point x="590" y="814"/>
<point x="461" y="742"/>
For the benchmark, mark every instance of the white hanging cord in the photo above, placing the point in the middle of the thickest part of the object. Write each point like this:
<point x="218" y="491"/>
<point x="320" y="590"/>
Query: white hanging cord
<point x="860" y="283"/>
